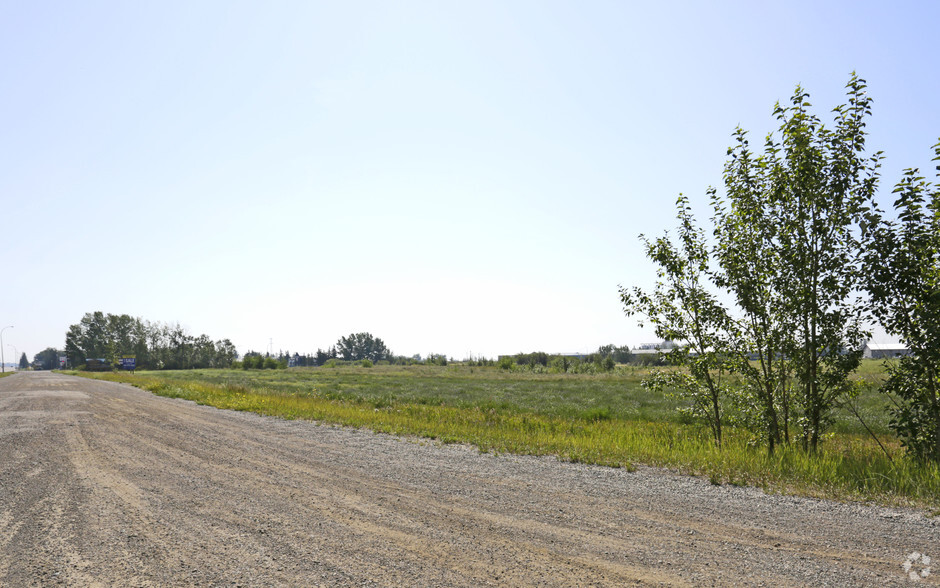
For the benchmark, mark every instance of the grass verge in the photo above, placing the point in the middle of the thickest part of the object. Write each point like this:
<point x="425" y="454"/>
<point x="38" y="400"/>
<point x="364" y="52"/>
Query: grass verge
<point x="849" y="466"/>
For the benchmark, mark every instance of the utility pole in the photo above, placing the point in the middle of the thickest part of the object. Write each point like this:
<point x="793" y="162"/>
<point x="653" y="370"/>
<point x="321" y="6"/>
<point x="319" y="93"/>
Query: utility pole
<point x="3" y="362"/>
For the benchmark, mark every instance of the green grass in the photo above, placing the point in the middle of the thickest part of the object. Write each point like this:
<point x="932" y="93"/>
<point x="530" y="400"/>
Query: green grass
<point x="619" y="395"/>
<point x="5" y="374"/>
<point x="605" y="419"/>
<point x="561" y="395"/>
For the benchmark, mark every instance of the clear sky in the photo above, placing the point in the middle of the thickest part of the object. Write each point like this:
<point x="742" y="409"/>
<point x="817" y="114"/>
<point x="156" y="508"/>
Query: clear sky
<point x="453" y="177"/>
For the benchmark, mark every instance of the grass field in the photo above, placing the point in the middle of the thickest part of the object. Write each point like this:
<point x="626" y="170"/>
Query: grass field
<point x="607" y="419"/>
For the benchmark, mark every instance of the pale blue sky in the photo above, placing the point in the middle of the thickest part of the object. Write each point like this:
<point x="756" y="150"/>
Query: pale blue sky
<point x="453" y="177"/>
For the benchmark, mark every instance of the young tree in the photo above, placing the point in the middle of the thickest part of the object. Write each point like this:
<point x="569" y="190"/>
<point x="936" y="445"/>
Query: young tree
<point x="787" y="252"/>
<point x="749" y="261"/>
<point x="681" y="308"/>
<point x="24" y="363"/>
<point x="903" y="278"/>
<point x="788" y="245"/>
<point x="821" y="184"/>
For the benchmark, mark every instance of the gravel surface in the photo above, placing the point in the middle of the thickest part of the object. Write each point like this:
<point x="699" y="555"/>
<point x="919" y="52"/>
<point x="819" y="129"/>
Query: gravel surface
<point x="104" y="484"/>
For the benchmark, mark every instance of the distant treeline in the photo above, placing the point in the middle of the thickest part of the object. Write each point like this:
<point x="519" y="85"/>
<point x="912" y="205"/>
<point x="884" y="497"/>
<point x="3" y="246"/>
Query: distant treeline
<point x="332" y="357"/>
<point x="363" y="347"/>
<point x="360" y="348"/>
<point x="603" y="360"/>
<point x="155" y="345"/>
<point x="101" y="339"/>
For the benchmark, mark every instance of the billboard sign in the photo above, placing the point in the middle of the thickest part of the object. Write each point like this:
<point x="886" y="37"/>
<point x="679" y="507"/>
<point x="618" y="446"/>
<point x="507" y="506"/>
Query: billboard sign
<point x="128" y="362"/>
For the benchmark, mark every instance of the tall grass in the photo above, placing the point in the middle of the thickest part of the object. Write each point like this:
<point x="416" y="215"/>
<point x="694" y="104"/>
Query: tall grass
<point x="575" y="421"/>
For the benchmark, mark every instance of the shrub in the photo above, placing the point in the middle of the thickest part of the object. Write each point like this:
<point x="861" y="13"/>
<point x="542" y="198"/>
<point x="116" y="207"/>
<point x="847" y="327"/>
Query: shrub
<point x="559" y="365"/>
<point x="270" y="363"/>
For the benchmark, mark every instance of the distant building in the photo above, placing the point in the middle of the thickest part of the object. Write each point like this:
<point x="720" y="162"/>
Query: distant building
<point x="654" y="348"/>
<point x="884" y="350"/>
<point x="645" y="351"/>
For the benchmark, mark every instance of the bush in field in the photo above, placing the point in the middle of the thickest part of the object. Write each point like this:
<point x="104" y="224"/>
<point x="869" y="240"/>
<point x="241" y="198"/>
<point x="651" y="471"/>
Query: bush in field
<point x="436" y="359"/>
<point x="270" y="363"/>
<point x="559" y="365"/>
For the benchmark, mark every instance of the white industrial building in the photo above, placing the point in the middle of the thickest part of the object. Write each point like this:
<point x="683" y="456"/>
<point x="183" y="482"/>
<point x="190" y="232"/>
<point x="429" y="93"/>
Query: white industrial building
<point x="884" y="350"/>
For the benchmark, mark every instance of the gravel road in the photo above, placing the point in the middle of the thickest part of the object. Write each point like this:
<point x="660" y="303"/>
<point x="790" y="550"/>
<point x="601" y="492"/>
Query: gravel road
<point x="102" y="484"/>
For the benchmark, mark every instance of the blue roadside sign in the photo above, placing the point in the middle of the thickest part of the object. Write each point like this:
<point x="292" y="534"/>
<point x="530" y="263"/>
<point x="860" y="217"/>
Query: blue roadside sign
<point x="129" y="362"/>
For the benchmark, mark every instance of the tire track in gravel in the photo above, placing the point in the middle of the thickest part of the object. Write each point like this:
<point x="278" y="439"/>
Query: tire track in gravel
<point x="104" y="484"/>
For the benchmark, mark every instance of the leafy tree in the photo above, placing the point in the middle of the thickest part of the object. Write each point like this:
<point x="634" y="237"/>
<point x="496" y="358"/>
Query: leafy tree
<point x="618" y="354"/>
<point x="47" y="359"/>
<point x="73" y="348"/>
<point x="747" y="254"/>
<point x="358" y="346"/>
<point x="787" y="253"/>
<point x="682" y="308"/>
<point x="321" y="357"/>
<point x="225" y="354"/>
<point x="87" y="339"/>
<point x="903" y="278"/>
<point x="203" y="352"/>
<point x="252" y="361"/>
<point x="821" y="182"/>
<point x="180" y="347"/>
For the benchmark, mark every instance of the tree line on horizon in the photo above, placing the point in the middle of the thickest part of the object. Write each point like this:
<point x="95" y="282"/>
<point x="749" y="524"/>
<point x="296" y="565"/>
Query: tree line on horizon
<point x="105" y="337"/>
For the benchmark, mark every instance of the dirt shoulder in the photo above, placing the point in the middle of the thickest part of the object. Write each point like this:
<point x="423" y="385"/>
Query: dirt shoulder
<point x="104" y="484"/>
